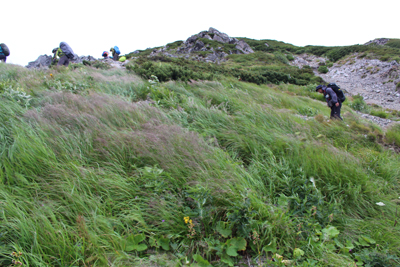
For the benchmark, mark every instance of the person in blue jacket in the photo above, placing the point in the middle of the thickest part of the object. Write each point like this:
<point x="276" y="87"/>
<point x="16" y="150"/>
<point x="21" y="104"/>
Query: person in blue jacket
<point x="331" y="99"/>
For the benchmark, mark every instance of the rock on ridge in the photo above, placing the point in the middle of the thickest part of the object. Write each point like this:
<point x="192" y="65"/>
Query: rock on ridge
<point x="44" y="61"/>
<point x="194" y="44"/>
<point x="378" y="41"/>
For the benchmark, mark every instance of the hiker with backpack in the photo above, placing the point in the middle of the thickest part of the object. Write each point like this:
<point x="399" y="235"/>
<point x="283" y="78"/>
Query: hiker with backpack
<point x="334" y="98"/>
<point x="115" y="52"/>
<point x="105" y="54"/>
<point x="4" y="52"/>
<point x="65" y="53"/>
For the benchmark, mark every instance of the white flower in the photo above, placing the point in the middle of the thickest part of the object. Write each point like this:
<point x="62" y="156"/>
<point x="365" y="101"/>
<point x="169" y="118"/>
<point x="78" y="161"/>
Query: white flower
<point x="380" y="204"/>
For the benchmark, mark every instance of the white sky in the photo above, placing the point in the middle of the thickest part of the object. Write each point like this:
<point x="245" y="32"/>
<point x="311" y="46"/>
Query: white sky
<point x="34" y="27"/>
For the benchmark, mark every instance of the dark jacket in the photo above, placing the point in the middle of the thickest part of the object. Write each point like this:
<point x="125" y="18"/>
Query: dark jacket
<point x="330" y="96"/>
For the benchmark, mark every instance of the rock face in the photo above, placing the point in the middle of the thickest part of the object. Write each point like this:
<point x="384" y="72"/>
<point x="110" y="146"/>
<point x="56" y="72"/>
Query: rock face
<point x="379" y="41"/>
<point x="195" y="44"/>
<point x="44" y="61"/>
<point x="373" y="79"/>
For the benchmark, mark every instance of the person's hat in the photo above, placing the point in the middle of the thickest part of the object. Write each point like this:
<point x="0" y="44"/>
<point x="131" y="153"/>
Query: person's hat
<point x="318" y="87"/>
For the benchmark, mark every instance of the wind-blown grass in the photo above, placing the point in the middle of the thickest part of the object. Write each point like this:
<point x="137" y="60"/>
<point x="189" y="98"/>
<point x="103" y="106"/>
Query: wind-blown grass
<point x="96" y="163"/>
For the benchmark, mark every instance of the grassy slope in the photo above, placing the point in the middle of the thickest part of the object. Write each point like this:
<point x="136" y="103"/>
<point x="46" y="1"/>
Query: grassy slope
<point x="93" y="176"/>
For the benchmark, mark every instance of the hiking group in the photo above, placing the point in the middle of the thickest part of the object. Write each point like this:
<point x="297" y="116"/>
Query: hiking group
<point x="63" y="54"/>
<point x="115" y="54"/>
<point x="334" y="97"/>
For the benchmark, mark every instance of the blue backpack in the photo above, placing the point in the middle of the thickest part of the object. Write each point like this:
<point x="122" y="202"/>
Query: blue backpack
<point x="117" y="50"/>
<point x="4" y="50"/>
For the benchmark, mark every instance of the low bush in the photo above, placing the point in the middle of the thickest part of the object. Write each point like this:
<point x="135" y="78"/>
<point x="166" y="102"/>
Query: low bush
<point x="359" y="104"/>
<point x="290" y="57"/>
<point x="323" y="69"/>
<point x="384" y="58"/>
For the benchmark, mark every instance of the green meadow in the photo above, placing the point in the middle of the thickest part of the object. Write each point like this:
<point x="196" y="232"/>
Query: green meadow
<point x="210" y="167"/>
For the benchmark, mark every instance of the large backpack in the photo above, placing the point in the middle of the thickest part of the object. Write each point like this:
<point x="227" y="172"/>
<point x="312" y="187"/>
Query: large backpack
<point x="338" y="91"/>
<point x="4" y="49"/>
<point x="117" y="50"/>
<point x="67" y="50"/>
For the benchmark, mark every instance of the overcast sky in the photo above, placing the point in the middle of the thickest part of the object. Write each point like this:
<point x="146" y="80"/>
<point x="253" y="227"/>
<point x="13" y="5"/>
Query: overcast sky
<point x="33" y="28"/>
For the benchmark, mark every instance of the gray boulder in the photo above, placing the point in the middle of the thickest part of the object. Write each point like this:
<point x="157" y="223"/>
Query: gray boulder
<point x="80" y="59"/>
<point x="43" y="61"/>
<point x="198" y="46"/>
<point x="244" y="47"/>
<point x="219" y="36"/>
<point x="218" y="39"/>
<point x="191" y="40"/>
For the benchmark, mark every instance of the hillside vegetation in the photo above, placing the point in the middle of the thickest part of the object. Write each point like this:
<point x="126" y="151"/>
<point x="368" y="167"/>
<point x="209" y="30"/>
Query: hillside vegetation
<point x="195" y="165"/>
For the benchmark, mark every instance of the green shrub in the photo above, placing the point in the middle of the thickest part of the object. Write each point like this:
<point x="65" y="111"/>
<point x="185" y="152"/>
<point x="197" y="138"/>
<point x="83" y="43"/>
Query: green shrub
<point x="329" y="64"/>
<point x="290" y="57"/>
<point x="323" y="69"/>
<point x="398" y="86"/>
<point x="281" y="57"/>
<point x="359" y="104"/>
<point x="174" y="45"/>
<point x="384" y="58"/>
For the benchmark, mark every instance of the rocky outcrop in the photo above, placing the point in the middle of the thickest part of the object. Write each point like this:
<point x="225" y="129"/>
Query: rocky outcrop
<point x="244" y="47"/>
<point x="378" y="41"/>
<point x="195" y="44"/>
<point x="80" y="59"/>
<point x="43" y="61"/>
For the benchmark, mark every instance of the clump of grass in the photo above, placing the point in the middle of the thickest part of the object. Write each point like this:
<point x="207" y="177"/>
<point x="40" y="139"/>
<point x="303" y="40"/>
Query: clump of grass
<point x="323" y="69"/>
<point x="393" y="135"/>
<point x="379" y="113"/>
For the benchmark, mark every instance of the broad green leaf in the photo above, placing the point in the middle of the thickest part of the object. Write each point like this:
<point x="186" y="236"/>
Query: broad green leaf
<point x="239" y="242"/>
<point x="139" y="238"/>
<point x="368" y="239"/>
<point x="227" y="260"/>
<point x="202" y="262"/>
<point x="223" y="229"/>
<point x="271" y="247"/>
<point x="232" y="251"/>
<point x="153" y="243"/>
<point x="329" y="246"/>
<point x="349" y="245"/>
<point x="340" y="245"/>
<point x="130" y="247"/>
<point x="362" y="242"/>
<point x="297" y="253"/>
<point x="330" y="232"/>
<point x="141" y="247"/>
<point x="164" y="242"/>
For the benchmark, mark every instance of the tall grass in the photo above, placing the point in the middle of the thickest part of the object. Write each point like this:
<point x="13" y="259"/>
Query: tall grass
<point x="85" y="172"/>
